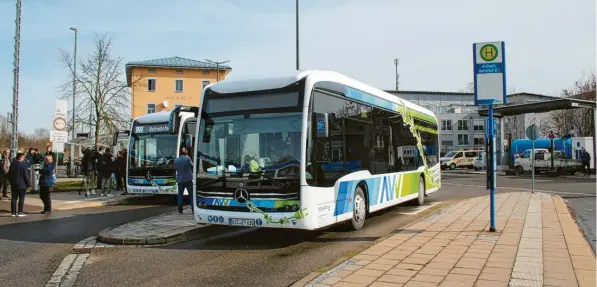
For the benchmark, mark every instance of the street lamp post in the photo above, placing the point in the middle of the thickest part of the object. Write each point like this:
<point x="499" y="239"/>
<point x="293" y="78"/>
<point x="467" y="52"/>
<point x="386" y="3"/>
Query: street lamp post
<point x="217" y="67"/>
<point x="72" y="147"/>
<point x="396" y="61"/>
<point x="297" y="35"/>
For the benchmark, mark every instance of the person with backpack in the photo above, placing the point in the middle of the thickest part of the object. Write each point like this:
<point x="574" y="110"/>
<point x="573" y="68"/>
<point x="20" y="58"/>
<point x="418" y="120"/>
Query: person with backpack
<point x="105" y="170"/>
<point x="4" y="167"/>
<point x="47" y="180"/>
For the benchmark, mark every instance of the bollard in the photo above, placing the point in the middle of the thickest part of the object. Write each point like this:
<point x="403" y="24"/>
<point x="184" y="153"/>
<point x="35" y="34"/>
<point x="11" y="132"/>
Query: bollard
<point x="34" y="177"/>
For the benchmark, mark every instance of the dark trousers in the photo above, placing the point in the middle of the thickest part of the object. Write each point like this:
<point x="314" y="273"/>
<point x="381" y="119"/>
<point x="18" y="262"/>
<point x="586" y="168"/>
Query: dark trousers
<point x="17" y="195"/>
<point x="99" y="181"/>
<point x="120" y="179"/>
<point x="586" y="166"/>
<point x="44" y="195"/>
<point x="4" y="185"/>
<point x="181" y="186"/>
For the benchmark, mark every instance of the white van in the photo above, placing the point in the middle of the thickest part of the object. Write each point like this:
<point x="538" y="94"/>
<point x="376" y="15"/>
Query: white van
<point x="454" y="159"/>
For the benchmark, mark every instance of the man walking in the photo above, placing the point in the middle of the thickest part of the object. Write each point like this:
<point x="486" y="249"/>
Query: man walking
<point x="47" y="180"/>
<point x="586" y="161"/>
<point x="19" y="182"/>
<point x="184" y="176"/>
<point x="4" y="167"/>
<point x="88" y="171"/>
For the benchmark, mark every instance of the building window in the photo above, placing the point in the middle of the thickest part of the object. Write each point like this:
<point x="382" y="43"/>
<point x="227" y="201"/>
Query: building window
<point x="178" y="85"/>
<point x="206" y="72"/>
<point x="151" y="70"/>
<point x="463" y="125"/>
<point x="150" y="108"/>
<point x="205" y="84"/>
<point x="479" y="141"/>
<point x="462" y="139"/>
<point x="479" y="126"/>
<point x="151" y="85"/>
<point x="446" y="125"/>
<point x="179" y="72"/>
<point x="447" y="143"/>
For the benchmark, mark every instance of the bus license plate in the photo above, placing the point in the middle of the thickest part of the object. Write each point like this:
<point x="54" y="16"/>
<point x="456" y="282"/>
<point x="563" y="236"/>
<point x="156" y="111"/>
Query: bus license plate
<point x="242" y="222"/>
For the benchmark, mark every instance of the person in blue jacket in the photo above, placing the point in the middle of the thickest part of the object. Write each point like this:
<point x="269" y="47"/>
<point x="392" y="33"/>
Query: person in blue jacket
<point x="47" y="180"/>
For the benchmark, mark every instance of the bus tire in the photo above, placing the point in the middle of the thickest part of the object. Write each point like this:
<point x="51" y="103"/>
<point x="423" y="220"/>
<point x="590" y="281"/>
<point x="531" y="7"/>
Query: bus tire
<point x="453" y="166"/>
<point x="359" y="211"/>
<point x="421" y="193"/>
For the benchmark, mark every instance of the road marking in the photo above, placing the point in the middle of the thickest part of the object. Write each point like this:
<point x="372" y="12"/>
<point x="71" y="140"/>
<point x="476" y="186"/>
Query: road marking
<point x="524" y="189"/>
<point x="420" y="208"/>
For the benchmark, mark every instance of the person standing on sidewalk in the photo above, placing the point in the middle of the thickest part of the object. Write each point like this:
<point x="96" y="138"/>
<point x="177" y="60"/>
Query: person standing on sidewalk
<point x="105" y="170"/>
<point x="184" y="176"/>
<point x="98" y="155"/>
<point x="19" y="182"/>
<point x="50" y="153"/>
<point x="4" y="167"/>
<point x="30" y="157"/>
<point x="47" y="180"/>
<point x="88" y="172"/>
<point x="121" y="172"/>
<point x="586" y="161"/>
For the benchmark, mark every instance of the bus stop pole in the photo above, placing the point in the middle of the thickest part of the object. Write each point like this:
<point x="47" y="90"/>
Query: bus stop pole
<point x="491" y="170"/>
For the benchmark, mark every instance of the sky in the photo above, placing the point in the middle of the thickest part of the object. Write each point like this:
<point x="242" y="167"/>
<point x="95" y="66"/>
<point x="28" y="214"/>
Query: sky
<point x="549" y="43"/>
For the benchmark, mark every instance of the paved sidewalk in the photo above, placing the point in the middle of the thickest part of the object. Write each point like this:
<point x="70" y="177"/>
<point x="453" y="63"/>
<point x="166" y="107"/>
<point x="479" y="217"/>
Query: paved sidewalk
<point x="537" y="244"/>
<point x="162" y="229"/>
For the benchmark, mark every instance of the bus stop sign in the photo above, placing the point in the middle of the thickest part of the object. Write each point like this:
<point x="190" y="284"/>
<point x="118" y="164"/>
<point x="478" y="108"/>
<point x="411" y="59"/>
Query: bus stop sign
<point x="532" y="132"/>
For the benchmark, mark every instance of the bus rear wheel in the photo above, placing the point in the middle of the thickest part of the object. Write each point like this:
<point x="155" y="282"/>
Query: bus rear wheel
<point x="359" y="213"/>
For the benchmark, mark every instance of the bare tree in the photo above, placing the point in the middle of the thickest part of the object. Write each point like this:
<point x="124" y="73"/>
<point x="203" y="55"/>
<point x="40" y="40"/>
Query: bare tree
<point x="562" y="121"/>
<point x="103" y="97"/>
<point x="4" y="132"/>
<point x="470" y="88"/>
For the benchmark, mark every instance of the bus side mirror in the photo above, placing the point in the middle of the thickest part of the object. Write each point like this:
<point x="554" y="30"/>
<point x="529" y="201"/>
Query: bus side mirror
<point x="321" y="125"/>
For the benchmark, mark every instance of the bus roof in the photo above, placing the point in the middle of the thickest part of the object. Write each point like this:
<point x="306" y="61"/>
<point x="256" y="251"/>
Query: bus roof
<point x="268" y="83"/>
<point x="159" y="117"/>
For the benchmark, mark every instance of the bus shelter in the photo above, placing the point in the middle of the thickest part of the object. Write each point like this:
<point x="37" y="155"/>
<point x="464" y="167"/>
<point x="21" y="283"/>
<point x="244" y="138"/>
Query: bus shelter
<point x="543" y="107"/>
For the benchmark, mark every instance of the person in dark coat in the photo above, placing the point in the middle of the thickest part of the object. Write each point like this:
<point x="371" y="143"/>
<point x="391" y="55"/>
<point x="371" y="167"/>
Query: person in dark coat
<point x="88" y="170"/>
<point x="121" y="172"/>
<point x="52" y="154"/>
<point x="98" y="155"/>
<point x="19" y="182"/>
<point x="105" y="170"/>
<point x="586" y="161"/>
<point x="47" y="180"/>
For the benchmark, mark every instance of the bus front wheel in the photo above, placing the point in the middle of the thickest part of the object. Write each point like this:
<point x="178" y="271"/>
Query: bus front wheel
<point x="359" y="209"/>
<point x="421" y="198"/>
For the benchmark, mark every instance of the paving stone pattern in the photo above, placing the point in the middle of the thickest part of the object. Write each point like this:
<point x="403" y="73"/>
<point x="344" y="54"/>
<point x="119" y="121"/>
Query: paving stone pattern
<point x="537" y="244"/>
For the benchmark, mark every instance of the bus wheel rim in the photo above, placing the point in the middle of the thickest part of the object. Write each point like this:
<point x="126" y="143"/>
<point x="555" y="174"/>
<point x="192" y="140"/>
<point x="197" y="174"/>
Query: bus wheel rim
<point x="359" y="205"/>
<point x="421" y="191"/>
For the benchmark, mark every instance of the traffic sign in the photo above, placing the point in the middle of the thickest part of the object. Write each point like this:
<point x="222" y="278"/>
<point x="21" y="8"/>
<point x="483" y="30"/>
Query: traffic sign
<point x="58" y="136"/>
<point x="489" y="73"/>
<point x="532" y="132"/>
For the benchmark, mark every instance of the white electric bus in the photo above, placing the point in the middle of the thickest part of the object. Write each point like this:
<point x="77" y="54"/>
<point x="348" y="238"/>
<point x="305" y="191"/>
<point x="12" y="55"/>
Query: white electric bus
<point x="309" y="150"/>
<point x="155" y="140"/>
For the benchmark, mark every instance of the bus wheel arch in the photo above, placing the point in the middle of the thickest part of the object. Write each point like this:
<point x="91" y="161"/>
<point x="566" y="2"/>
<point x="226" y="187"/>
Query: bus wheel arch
<point x="359" y="203"/>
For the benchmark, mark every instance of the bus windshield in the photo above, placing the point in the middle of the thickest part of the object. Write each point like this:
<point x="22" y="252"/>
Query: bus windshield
<point x="152" y="150"/>
<point x="250" y="142"/>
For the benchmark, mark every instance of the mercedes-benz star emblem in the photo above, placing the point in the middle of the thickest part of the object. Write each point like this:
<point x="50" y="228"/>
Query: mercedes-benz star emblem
<point x="241" y="195"/>
<point x="148" y="176"/>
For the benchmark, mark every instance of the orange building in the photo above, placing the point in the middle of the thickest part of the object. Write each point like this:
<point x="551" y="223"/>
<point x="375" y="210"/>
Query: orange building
<point x="161" y="84"/>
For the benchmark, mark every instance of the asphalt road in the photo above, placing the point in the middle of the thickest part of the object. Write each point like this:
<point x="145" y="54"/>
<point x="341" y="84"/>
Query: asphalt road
<point x="32" y="247"/>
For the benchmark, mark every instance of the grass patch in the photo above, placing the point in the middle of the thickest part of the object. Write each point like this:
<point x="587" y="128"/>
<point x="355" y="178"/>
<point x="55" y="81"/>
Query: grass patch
<point x="70" y="185"/>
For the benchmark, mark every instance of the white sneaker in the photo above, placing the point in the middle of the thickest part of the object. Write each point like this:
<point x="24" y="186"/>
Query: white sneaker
<point x="93" y="192"/>
<point x="110" y="195"/>
<point x="21" y="214"/>
<point x="103" y="194"/>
